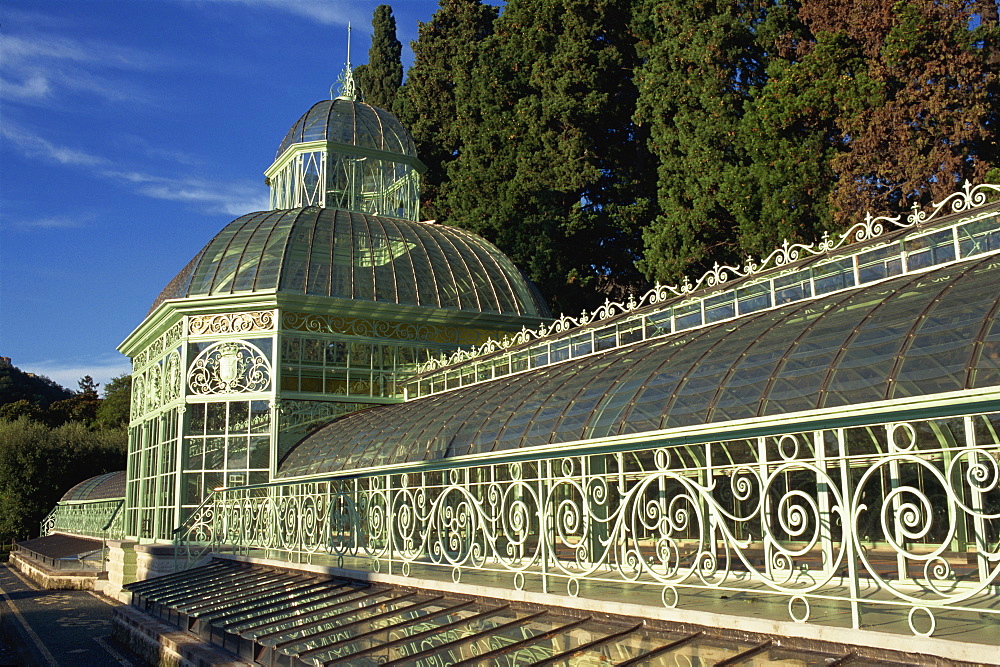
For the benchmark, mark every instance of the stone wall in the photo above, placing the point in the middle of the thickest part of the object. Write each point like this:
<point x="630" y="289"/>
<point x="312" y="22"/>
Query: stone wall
<point x="49" y="579"/>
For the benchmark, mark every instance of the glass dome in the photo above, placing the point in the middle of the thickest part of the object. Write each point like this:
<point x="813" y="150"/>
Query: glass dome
<point x="350" y="123"/>
<point x="342" y="254"/>
<point x="108" y="485"/>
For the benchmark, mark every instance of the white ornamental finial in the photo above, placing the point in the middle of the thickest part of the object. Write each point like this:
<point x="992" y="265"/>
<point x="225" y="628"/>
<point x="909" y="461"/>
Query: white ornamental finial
<point x="345" y="83"/>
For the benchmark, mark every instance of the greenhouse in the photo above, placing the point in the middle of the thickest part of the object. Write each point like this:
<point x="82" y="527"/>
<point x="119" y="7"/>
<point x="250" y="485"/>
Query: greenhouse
<point x="806" y="446"/>
<point x="819" y="434"/>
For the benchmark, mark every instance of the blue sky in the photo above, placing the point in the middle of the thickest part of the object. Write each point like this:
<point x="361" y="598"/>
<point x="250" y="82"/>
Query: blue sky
<point x="131" y="131"/>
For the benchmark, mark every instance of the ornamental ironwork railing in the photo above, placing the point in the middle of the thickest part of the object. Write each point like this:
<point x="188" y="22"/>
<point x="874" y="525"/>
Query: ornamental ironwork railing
<point x="679" y="310"/>
<point x="892" y="526"/>
<point x="101" y="519"/>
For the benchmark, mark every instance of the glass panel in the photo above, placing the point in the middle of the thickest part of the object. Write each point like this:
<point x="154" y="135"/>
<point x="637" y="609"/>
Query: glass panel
<point x="792" y="287"/>
<point x="720" y="307"/>
<point x="687" y="315"/>
<point x="796" y="383"/>
<point x="833" y="276"/>
<point x="879" y="263"/>
<point x="607" y="337"/>
<point x="929" y="250"/>
<point x="979" y="236"/>
<point x="741" y="394"/>
<point x="861" y="374"/>
<point x="657" y="324"/>
<point x="753" y="297"/>
<point x="707" y="371"/>
<point x="943" y="343"/>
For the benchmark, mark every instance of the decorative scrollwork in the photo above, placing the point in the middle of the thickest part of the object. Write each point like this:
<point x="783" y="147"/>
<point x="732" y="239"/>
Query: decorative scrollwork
<point x="230" y="367"/>
<point x="171" y="377"/>
<point x="226" y="323"/>
<point x="785" y="254"/>
<point x="158" y="347"/>
<point x="411" y="331"/>
<point x="153" y="387"/>
<point x="138" y="396"/>
<point x="796" y="524"/>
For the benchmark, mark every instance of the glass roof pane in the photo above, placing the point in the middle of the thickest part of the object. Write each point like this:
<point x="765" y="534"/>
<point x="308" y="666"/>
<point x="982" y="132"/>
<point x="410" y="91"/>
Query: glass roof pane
<point x="269" y="267"/>
<point x="441" y="267"/>
<point x="741" y="393"/>
<point x="296" y="256"/>
<point x="940" y="352"/>
<point x="320" y="251"/>
<point x="204" y="272"/>
<point x="462" y="274"/>
<point x="364" y="267"/>
<point x="697" y="391"/>
<point x="402" y="263"/>
<point x="784" y="355"/>
<point x="797" y="381"/>
<point x="247" y="270"/>
<point x="407" y="262"/>
<point x="639" y="364"/>
<point x="862" y="369"/>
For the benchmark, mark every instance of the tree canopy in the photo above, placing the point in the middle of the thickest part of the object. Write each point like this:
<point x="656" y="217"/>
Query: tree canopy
<point x="382" y="76"/>
<point x="602" y="144"/>
<point x="51" y="439"/>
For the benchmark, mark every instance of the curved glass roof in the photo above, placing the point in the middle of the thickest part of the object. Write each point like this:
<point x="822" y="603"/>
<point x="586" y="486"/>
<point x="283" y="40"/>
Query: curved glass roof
<point x="353" y="123"/>
<point x="913" y="335"/>
<point x="110" y="485"/>
<point x="349" y="255"/>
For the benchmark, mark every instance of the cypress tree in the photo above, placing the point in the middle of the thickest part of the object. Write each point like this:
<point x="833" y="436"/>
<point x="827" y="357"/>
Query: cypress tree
<point x="549" y="168"/>
<point x="702" y="63"/>
<point x="381" y="78"/>
<point x="789" y="135"/>
<point x="443" y="58"/>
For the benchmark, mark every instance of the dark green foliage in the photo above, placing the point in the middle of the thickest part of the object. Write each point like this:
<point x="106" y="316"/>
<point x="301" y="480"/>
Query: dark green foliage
<point x="584" y="138"/>
<point x="381" y="78"/>
<point x="48" y="446"/>
<point x="39" y="464"/>
<point x="702" y="63"/>
<point x="16" y="385"/>
<point x="114" y="410"/>
<point x="444" y="56"/>
<point x="549" y="167"/>
<point x="789" y="135"/>
<point x="776" y="119"/>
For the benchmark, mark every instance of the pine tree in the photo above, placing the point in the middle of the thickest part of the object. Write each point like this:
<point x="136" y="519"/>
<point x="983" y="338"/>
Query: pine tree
<point x="444" y="55"/>
<point x="549" y="168"/>
<point x="381" y="78"/>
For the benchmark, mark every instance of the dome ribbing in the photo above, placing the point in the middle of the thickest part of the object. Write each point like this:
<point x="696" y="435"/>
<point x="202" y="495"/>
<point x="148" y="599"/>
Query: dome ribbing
<point x="348" y="255"/>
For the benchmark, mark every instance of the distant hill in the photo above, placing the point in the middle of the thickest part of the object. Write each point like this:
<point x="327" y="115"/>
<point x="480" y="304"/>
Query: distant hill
<point x="16" y="385"/>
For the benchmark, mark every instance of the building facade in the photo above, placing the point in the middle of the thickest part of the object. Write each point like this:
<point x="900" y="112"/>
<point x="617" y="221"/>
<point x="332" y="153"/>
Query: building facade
<point x="291" y="317"/>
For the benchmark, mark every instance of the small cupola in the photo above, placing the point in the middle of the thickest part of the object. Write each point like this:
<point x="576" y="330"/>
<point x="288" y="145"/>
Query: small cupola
<point x="348" y="155"/>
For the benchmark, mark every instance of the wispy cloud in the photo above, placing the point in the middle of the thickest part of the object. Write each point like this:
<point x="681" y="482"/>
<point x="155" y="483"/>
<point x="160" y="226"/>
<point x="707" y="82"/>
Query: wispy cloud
<point x="50" y="222"/>
<point x="68" y="372"/>
<point x="38" y="67"/>
<point x="211" y="196"/>
<point x="31" y="48"/>
<point x="34" y="146"/>
<point x="324" y="12"/>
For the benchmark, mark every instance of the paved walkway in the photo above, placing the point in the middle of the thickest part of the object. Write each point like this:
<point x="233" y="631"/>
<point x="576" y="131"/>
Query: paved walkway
<point x="69" y="628"/>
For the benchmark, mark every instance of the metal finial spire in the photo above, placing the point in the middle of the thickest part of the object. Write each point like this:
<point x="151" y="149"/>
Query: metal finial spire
<point x="345" y="83"/>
